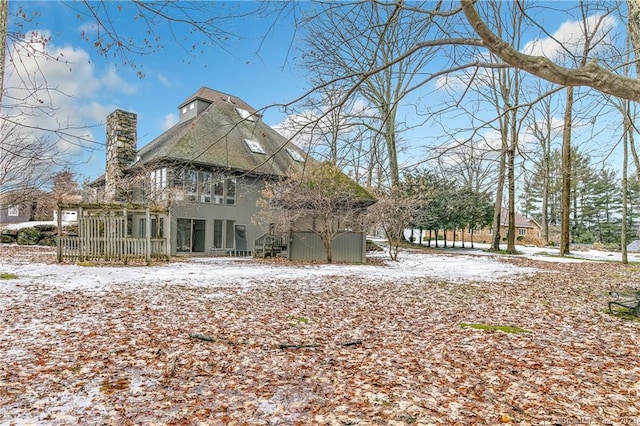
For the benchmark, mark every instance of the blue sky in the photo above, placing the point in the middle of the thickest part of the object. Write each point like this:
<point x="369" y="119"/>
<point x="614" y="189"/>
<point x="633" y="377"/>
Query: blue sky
<point x="257" y="67"/>
<point x="256" y="63"/>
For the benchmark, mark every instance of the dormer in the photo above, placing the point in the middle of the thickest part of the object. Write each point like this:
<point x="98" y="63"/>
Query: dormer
<point x="204" y="97"/>
<point x="191" y="108"/>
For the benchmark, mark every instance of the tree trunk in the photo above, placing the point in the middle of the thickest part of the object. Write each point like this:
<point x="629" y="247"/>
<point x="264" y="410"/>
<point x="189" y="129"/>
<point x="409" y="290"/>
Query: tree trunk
<point x="327" y="249"/>
<point x="511" y="233"/>
<point x="546" y="167"/>
<point x="625" y="184"/>
<point x="4" y="31"/>
<point x="633" y="27"/>
<point x="565" y="233"/>
<point x="392" y="149"/>
<point x="497" y="211"/>
<point x="511" y="154"/>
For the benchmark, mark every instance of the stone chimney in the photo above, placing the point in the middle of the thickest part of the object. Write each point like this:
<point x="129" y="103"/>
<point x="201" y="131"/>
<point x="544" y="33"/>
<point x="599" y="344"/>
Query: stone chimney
<point x="121" y="149"/>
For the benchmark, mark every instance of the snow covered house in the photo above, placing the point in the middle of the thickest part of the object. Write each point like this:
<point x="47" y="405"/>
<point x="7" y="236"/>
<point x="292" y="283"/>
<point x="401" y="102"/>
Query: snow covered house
<point x="203" y="178"/>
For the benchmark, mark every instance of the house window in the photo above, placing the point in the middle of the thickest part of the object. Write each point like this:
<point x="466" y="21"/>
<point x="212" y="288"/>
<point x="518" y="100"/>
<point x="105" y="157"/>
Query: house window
<point x="217" y="233"/>
<point x="224" y="191"/>
<point x="255" y="146"/>
<point x="192" y="185"/>
<point x="193" y="104"/>
<point x="522" y="231"/>
<point x="223" y="234"/>
<point x="158" y="182"/>
<point x="246" y="115"/>
<point x="184" y="110"/>
<point x="231" y="191"/>
<point x="230" y="234"/>
<point x="205" y="187"/>
<point x="218" y="192"/>
<point x="13" y="211"/>
<point x="295" y="155"/>
<point x="142" y="228"/>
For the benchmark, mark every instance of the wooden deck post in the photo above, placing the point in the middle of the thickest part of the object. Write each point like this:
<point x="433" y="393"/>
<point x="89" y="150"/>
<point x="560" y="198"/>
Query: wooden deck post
<point x="124" y="234"/>
<point x="81" y="235"/>
<point x="59" y="241"/>
<point x="147" y="234"/>
<point x="167" y="233"/>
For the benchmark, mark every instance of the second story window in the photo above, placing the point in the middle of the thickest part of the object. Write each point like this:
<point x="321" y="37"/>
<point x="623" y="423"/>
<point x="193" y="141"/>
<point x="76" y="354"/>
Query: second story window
<point x="231" y="191"/>
<point x="205" y="187"/>
<point x="200" y="186"/>
<point x="192" y="185"/>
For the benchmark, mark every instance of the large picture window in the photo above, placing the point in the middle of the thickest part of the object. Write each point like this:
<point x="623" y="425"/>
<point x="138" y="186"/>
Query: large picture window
<point x="202" y="186"/>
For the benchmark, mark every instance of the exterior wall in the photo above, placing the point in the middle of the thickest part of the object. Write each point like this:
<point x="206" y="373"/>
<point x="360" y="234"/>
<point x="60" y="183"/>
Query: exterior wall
<point x="191" y="109"/>
<point x="346" y="247"/>
<point x="524" y="235"/>
<point x="24" y="213"/>
<point x="242" y="212"/>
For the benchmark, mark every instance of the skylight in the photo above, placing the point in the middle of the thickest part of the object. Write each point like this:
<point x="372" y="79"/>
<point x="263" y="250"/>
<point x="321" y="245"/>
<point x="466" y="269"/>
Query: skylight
<point x="246" y="115"/>
<point x="255" y="146"/>
<point x="295" y="155"/>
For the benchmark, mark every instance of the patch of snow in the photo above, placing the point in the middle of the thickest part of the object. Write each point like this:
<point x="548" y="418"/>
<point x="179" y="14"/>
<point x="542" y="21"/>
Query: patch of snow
<point x="22" y="225"/>
<point x="229" y="272"/>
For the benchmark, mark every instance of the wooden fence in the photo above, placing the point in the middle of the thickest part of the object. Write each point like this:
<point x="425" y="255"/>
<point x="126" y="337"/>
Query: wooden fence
<point x="76" y="249"/>
<point x="104" y="237"/>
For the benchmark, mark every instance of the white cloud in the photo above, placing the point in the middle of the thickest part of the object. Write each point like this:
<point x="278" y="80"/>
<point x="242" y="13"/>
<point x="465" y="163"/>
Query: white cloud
<point x="112" y="80"/>
<point x="58" y="89"/>
<point x="88" y="28"/>
<point x="164" y="80"/>
<point x="169" y="121"/>
<point x="569" y="39"/>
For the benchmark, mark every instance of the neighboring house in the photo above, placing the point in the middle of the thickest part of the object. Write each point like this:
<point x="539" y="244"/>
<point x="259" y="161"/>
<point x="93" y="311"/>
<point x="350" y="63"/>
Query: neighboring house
<point x="634" y="246"/>
<point x="528" y="231"/>
<point x="15" y="207"/>
<point x="67" y="215"/>
<point x="208" y="171"/>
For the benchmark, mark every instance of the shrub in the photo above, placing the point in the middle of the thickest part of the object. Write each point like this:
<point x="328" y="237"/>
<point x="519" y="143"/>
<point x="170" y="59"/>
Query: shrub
<point x="372" y="246"/>
<point x="28" y="236"/>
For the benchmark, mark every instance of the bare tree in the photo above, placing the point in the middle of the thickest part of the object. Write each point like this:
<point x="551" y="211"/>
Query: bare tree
<point x="319" y="198"/>
<point x="392" y="214"/>
<point x="371" y="36"/>
<point x="543" y="129"/>
<point x="588" y="74"/>
<point x="26" y="164"/>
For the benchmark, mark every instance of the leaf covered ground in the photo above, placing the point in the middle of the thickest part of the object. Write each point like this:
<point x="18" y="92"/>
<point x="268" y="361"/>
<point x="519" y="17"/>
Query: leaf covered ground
<point x="335" y="349"/>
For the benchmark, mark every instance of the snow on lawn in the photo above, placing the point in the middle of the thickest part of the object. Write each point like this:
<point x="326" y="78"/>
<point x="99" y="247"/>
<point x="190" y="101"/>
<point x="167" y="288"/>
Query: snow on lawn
<point x="217" y="271"/>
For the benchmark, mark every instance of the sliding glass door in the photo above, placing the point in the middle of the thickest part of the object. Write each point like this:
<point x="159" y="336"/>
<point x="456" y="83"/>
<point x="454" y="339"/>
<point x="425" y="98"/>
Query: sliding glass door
<point x="190" y="236"/>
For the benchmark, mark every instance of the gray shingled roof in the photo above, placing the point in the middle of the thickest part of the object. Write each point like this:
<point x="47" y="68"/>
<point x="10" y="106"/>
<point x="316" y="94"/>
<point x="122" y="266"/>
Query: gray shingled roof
<point x="216" y="137"/>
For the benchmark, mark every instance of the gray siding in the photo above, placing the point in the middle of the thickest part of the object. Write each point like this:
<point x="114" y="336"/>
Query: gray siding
<point x="242" y="212"/>
<point x="24" y="213"/>
<point x="346" y="247"/>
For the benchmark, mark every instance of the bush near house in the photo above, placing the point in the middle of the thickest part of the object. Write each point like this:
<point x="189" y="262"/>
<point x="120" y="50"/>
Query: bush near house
<point x="44" y="235"/>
